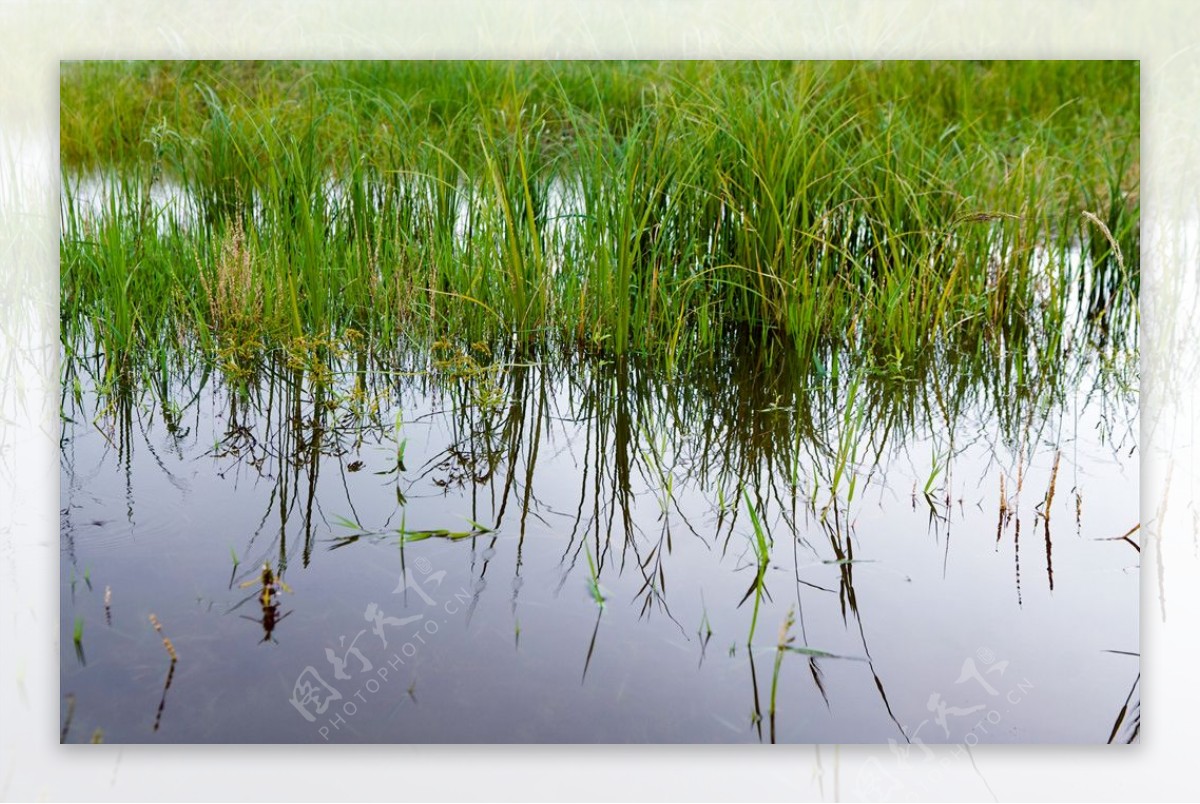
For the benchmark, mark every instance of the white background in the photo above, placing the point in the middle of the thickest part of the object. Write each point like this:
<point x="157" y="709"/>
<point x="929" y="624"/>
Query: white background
<point x="35" y="36"/>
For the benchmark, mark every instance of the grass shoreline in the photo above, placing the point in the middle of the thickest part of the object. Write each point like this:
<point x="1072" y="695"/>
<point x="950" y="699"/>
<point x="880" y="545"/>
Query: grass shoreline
<point x="880" y="211"/>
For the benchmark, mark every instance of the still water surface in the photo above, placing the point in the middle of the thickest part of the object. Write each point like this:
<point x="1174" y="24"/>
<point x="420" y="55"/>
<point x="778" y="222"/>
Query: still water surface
<point x="469" y="549"/>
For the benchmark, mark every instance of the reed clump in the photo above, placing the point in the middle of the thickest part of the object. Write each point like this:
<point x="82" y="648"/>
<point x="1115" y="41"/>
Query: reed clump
<point x="235" y="293"/>
<point x="850" y="213"/>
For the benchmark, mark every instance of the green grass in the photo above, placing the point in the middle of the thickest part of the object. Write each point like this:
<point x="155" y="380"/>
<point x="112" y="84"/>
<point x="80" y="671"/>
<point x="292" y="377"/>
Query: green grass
<point x="852" y="214"/>
<point x="593" y="582"/>
<point x="784" y="642"/>
<point x="762" y="554"/>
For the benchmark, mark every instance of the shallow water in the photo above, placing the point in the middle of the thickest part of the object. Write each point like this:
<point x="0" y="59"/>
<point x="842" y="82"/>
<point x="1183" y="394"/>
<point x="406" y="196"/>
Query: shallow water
<point x="435" y="531"/>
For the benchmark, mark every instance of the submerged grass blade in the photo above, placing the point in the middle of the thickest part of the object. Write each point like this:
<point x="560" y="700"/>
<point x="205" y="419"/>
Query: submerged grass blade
<point x="593" y="582"/>
<point x="762" y="554"/>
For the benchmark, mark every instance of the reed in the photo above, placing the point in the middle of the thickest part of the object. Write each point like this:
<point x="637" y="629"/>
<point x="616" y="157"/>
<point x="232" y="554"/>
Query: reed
<point x="167" y="644"/>
<point x="783" y="643"/>
<point x="866" y="215"/>
<point x="762" y="554"/>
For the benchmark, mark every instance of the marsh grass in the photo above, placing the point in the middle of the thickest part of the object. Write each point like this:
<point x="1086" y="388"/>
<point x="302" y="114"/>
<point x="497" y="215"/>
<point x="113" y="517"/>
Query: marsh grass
<point x="859" y="215"/>
<point x="785" y="640"/>
<point x="762" y="555"/>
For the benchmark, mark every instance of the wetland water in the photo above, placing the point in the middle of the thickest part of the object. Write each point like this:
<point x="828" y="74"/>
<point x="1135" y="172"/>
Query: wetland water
<point x="468" y="546"/>
<point x="600" y="402"/>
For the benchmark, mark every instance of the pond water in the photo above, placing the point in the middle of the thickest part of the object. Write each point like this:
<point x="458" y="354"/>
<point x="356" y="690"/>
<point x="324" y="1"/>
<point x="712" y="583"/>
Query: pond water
<point x="468" y="547"/>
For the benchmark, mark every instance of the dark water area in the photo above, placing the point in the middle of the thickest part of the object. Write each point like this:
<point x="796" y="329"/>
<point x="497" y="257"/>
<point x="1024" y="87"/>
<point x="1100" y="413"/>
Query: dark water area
<point x="461" y="547"/>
